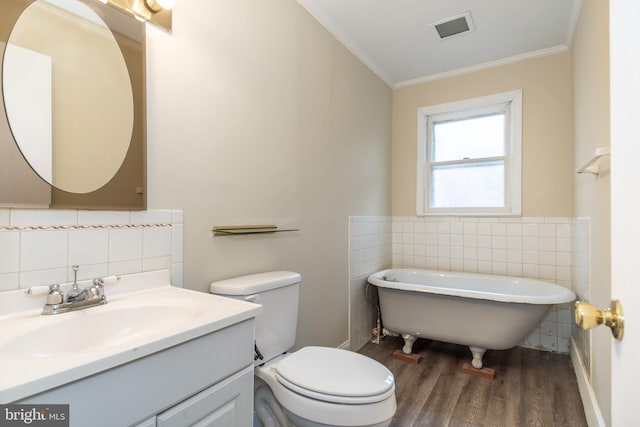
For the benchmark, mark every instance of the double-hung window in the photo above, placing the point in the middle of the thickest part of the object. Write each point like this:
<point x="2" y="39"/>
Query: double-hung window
<point x="469" y="157"/>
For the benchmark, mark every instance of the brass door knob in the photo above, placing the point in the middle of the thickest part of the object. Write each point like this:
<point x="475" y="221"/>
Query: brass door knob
<point x="589" y="316"/>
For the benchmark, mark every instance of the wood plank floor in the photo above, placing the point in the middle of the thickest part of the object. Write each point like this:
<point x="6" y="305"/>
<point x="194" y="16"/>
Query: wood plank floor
<point x="530" y="388"/>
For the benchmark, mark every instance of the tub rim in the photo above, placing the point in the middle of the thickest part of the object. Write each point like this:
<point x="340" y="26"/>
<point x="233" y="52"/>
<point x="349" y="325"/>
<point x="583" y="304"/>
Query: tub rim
<point x="559" y="295"/>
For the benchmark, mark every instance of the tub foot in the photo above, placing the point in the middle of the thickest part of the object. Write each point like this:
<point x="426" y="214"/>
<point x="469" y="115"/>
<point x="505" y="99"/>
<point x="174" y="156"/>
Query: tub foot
<point x="408" y="343"/>
<point x="477" y="356"/>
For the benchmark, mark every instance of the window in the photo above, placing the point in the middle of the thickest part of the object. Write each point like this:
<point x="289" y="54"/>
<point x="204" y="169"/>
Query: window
<point x="469" y="157"/>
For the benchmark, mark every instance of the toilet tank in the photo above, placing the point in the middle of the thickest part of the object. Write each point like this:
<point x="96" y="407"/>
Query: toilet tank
<point x="277" y="292"/>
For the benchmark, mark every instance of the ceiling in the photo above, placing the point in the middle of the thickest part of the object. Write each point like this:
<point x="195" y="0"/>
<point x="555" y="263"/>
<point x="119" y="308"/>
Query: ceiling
<point x="396" y="40"/>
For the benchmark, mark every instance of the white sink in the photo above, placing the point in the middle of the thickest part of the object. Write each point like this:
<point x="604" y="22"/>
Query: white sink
<point x="39" y="352"/>
<point x="94" y="330"/>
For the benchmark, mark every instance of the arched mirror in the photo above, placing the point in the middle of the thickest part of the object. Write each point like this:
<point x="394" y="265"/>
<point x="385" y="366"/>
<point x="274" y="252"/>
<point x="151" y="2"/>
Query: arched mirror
<point x="73" y="92"/>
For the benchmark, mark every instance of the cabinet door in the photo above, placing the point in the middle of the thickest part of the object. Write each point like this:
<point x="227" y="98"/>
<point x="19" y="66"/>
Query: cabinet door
<point x="228" y="403"/>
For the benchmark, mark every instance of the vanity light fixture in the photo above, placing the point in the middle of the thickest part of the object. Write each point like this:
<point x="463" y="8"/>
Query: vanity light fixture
<point x="158" y="12"/>
<point x="158" y="5"/>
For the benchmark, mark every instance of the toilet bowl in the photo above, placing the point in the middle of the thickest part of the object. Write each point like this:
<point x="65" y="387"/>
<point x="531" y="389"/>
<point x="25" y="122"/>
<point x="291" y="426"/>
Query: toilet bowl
<point x="314" y="386"/>
<point x="320" y="386"/>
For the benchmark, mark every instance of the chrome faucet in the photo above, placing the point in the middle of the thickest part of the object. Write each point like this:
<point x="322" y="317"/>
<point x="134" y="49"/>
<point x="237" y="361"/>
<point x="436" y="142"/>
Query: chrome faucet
<point x="77" y="299"/>
<point x="75" y="294"/>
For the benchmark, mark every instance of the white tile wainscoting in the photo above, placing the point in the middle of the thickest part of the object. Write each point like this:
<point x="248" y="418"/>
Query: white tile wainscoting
<point x="39" y="246"/>
<point x="369" y="251"/>
<point x="550" y="249"/>
<point x="581" y="282"/>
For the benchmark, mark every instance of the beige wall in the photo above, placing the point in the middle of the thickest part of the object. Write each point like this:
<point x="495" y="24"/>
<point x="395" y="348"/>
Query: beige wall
<point x="547" y="165"/>
<point x="256" y="114"/>
<point x="592" y="198"/>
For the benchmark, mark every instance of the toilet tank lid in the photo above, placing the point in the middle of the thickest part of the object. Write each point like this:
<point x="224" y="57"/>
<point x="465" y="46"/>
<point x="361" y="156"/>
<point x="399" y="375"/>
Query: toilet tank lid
<point x="254" y="283"/>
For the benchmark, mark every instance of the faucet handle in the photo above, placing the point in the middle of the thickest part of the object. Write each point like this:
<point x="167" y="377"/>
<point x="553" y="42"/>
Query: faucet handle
<point x="55" y="295"/>
<point x="95" y="291"/>
<point x="40" y="290"/>
<point x="106" y="280"/>
<point x="37" y="290"/>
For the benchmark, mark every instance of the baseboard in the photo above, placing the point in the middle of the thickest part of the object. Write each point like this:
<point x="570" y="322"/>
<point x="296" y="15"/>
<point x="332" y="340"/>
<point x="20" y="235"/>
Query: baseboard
<point x="589" y="402"/>
<point x="345" y="345"/>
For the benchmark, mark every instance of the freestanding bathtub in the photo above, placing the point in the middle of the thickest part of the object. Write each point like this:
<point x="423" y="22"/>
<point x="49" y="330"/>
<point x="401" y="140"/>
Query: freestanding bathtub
<point x="476" y="310"/>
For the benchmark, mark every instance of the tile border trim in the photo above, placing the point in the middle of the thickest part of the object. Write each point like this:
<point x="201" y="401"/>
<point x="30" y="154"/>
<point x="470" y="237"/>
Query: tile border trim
<point x="79" y="227"/>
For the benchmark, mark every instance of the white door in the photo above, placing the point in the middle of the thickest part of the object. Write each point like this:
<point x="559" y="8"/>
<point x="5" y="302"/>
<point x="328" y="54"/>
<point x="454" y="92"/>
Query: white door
<point x="625" y="206"/>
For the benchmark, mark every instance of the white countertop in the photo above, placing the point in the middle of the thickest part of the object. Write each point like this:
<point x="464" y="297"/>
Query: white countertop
<point x="144" y="315"/>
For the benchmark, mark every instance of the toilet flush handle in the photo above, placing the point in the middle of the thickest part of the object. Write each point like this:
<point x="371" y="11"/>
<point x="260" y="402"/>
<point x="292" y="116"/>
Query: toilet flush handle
<point x="256" y="352"/>
<point x="255" y="298"/>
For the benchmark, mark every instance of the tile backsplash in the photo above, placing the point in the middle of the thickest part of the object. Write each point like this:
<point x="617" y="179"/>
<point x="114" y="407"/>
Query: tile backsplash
<point x="533" y="247"/>
<point x="538" y="248"/>
<point x="39" y="246"/>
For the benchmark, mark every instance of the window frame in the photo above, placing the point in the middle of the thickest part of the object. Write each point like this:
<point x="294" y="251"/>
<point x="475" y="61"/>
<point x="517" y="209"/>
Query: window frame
<point x="511" y="103"/>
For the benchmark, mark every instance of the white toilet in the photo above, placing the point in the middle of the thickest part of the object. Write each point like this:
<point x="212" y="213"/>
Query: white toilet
<point x="314" y="386"/>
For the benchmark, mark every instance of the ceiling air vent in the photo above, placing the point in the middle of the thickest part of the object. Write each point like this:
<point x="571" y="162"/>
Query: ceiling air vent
<point x="453" y="26"/>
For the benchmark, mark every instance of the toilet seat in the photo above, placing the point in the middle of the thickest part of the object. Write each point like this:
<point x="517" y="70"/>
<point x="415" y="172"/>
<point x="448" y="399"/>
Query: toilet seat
<point x="319" y="408"/>
<point x="336" y="376"/>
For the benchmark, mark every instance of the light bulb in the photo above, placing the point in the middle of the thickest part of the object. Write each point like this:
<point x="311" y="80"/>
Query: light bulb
<point x="158" y="5"/>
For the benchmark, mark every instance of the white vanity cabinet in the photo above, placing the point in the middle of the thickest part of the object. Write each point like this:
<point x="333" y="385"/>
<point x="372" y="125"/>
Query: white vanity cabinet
<point x="207" y="380"/>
